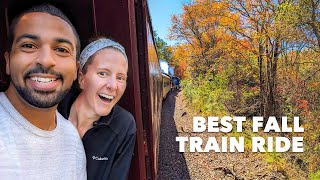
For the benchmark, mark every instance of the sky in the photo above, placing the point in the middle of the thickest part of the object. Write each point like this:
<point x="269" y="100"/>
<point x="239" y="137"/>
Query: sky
<point x="161" y="12"/>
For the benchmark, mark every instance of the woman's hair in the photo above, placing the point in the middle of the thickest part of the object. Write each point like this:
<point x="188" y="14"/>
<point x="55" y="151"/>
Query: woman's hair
<point x="89" y="59"/>
<point x="96" y="44"/>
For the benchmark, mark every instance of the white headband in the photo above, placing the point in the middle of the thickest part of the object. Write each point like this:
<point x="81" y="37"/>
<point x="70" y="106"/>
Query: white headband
<point x="97" y="45"/>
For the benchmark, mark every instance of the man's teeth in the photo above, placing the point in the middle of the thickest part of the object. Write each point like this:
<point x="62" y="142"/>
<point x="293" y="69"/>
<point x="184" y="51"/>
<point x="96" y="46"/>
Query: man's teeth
<point x="42" y="80"/>
<point x="106" y="96"/>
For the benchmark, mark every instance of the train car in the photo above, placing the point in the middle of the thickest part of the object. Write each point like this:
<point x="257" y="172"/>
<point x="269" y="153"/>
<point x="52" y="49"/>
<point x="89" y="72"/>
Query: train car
<point x="175" y="82"/>
<point x="128" y="22"/>
<point x="166" y="85"/>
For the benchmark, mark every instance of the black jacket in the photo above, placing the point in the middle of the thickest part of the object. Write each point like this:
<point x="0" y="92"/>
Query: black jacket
<point x="109" y="144"/>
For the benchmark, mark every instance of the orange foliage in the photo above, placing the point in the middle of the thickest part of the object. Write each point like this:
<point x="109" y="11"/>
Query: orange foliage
<point x="201" y="28"/>
<point x="180" y="60"/>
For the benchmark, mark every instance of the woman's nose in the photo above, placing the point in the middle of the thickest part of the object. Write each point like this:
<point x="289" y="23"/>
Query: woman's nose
<point x="112" y="84"/>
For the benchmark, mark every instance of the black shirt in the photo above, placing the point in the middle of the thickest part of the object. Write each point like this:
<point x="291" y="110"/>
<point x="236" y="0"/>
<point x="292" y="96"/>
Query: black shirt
<point x="109" y="144"/>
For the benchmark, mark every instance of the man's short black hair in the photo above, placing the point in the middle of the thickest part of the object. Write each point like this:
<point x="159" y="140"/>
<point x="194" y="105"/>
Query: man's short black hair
<point x="46" y="8"/>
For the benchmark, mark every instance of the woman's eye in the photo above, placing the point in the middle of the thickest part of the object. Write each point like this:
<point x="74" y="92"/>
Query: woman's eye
<point x="29" y="46"/>
<point x="120" y="78"/>
<point x="103" y="73"/>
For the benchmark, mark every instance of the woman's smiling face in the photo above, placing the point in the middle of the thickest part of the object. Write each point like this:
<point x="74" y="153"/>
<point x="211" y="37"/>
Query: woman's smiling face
<point x="104" y="81"/>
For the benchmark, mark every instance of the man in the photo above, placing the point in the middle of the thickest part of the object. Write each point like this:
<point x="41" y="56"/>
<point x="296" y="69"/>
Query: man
<point x="36" y="142"/>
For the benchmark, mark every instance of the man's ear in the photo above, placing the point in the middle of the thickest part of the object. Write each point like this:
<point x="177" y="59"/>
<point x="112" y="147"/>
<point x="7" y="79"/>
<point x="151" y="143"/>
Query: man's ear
<point x="7" y="58"/>
<point x="77" y="69"/>
<point x="81" y="79"/>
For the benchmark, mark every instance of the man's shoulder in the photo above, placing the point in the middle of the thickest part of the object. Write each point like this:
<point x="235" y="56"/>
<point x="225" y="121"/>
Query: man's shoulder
<point x="70" y="135"/>
<point x="5" y="123"/>
<point x="66" y="126"/>
<point x="4" y="115"/>
<point x="3" y="112"/>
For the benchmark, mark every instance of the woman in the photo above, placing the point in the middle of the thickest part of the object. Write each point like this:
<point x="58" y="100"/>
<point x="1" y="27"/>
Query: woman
<point x="107" y="130"/>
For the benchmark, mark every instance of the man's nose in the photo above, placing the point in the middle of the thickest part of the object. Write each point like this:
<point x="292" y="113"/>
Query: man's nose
<point x="46" y="57"/>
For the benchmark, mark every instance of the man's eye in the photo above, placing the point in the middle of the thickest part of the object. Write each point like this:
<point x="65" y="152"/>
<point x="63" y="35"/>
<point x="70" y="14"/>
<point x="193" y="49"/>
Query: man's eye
<point x="62" y="50"/>
<point x="29" y="46"/>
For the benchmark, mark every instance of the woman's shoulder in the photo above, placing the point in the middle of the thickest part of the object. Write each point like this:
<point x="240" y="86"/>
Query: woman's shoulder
<point x="119" y="111"/>
<point x="122" y="119"/>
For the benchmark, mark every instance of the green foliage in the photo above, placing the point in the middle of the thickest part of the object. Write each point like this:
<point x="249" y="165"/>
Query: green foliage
<point x="275" y="158"/>
<point x="208" y="94"/>
<point x="164" y="50"/>
<point x="315" y="175"/>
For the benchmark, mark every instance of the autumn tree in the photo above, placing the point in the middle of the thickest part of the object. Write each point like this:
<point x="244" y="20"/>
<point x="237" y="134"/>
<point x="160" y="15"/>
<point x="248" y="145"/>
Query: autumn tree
<point x="308" y="13"/>
<point x="199" y="27"/>
<point x="180" y="60"/>
<point x="261" y="26"/>
<point x="211" y="53"/>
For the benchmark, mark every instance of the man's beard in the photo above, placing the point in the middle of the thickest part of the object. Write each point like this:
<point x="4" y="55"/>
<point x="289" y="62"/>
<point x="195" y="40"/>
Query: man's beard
<point x="41" y="99"/>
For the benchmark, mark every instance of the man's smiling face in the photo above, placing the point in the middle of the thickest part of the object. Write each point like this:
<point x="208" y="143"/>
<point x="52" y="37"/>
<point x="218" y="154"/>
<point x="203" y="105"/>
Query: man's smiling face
<point x="42" y="62"/>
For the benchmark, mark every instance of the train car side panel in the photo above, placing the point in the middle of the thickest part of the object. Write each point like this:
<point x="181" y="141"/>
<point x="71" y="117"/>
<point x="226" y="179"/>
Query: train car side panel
<point x="156" y="94"/>
<point x="166" y="85"/>
<point x="151" y="84"/>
